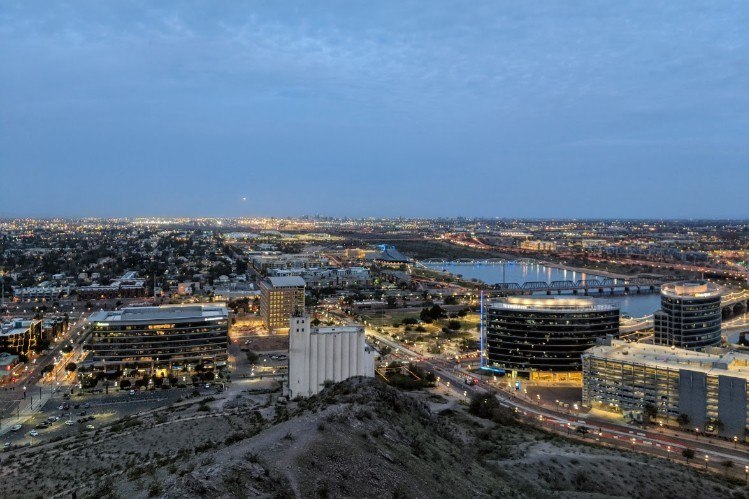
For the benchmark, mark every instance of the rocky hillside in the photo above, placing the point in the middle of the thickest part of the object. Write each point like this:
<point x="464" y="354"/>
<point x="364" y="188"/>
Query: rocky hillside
<point x="359" y="438"/>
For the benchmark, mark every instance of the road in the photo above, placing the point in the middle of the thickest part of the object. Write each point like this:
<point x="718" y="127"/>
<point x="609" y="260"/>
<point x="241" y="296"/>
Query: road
<point x="662" y="442"/>
<point x="26" y="396"/>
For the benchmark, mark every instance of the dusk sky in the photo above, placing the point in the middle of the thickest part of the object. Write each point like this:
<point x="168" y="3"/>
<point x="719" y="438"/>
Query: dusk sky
<point x="497" y="109"/>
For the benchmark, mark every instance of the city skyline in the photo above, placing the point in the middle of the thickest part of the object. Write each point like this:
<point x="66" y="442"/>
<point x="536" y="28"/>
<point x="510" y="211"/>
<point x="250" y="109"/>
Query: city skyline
<point x="518" y="111"/>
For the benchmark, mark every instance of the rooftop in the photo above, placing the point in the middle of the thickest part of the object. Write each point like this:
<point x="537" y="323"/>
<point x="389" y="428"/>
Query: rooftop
<point x="286" y="281"/>
<point x="337" y="329"/>
<point x="552" y="304"/>
<point x="160" y="314"/>
<point x="722" y="363"/>
<point x="691" y="289"/>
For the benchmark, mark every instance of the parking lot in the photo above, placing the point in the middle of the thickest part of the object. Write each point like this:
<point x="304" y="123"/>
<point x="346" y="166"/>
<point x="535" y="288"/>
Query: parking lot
<point x="74" y="415"/>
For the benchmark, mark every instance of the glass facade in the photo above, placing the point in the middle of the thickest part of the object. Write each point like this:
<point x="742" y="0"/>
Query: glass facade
<point x="689" y="319"/>
<point x="168" y="343"/>
<point x="542" y="334"/>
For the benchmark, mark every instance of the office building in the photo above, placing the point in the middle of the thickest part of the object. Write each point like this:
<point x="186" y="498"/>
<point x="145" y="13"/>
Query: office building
<point x="320" y="354"/>
<point x="690" y="315"/>
<point x="280" y="298"/>
<point x="169" y="338"/>
<point x="544" y="337"/>
<point x="710" y="388"/>
<point x="20" y="336"/>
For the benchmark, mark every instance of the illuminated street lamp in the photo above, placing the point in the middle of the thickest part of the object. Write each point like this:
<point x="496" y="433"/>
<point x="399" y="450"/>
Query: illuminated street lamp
<point x="706" y="460"/>
<point x="668" y="451"/>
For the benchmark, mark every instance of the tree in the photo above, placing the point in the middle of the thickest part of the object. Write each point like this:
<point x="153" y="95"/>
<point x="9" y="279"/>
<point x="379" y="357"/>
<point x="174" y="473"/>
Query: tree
<point x="688" y="454"/>
<point x="683" y="419"/>
<point x="649" y="412"/>
<point x="71" y="367"/>
<point x="125" y="384"/>
<point x="66" y="349"/>
<point x="454" y="325"/>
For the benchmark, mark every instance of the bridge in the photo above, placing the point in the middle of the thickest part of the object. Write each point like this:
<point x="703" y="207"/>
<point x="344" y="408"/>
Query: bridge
<point x="637" y="284"/>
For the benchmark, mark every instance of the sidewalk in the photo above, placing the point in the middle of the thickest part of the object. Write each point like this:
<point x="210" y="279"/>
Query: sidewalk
<point x="25" y="413"/>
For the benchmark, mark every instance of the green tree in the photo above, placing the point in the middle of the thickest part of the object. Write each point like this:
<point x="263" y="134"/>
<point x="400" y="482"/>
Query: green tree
<point x="688" y="454"/>
<point x="683" y="420"/>
<point x="649" y="412"/>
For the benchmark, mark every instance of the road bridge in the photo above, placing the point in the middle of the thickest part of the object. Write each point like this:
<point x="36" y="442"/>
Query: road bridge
<point x="586" y="286"/>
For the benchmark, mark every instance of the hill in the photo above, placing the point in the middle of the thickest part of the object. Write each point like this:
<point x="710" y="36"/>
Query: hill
<point x="359" y="438"/>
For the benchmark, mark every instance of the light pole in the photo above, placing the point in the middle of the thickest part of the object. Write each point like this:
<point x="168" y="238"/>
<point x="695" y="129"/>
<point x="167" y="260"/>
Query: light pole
<point x="668" y="450"/>
<point x="735" y="441"/>
<point x="746" y="473"/>
<point x="633" y="443"/>
<point x="706" y="459"/>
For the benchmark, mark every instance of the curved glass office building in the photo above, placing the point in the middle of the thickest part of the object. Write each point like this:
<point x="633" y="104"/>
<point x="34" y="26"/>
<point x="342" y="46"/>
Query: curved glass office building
<point x="690" y="315"/>
<point x="545" y="334"/>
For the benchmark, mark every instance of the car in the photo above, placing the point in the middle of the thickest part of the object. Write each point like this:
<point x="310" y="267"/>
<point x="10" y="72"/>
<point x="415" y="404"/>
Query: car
<point x="61" y="408"/>
<point x="82" y="413"/>
<point x="70" y="422"/>
<point x="56" y="418"/>
<point x="76" y="406"/>
<point x="33" y="433"/>
<point x="15" y="427"/>
<point x="6" y="445"/>
<point x="43" y="424"/>
<point x="207" y="385"/>
<point x="86" y="405"/>
<point x="90" y="427"/>
<point x="132" y="392"/>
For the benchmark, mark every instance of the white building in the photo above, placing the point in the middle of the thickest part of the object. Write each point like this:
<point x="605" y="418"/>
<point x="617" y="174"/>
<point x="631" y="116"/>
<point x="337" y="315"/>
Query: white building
<point x="320" y="354"/>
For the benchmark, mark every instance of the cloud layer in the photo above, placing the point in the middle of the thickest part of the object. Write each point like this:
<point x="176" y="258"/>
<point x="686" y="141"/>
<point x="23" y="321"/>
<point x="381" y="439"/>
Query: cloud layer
<point x="564" y="109"/>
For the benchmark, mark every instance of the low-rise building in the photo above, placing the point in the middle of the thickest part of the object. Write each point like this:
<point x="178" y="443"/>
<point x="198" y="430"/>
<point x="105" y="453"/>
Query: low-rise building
<point x="709" y="388"/>
<point x="45" y="292"/>
<point x="329" y="277"/>
<point x="325" y="354"/>
<point x="20" y="336"/>
<point x="127" y="286"/>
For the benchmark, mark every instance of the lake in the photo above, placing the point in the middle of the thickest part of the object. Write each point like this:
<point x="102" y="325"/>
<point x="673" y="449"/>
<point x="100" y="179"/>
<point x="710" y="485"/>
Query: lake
<point x="522" y="272"/>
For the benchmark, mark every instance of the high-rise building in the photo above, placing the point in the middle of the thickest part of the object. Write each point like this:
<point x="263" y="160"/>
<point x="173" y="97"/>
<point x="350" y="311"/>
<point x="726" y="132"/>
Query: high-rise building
<point x="709" y="388"/>
<point x="542" y="337"/>
<point x="280" y="298"/>
<point x="320" y="354"/>
<point x="690" y="315"/>
<point x="170" y="337"/>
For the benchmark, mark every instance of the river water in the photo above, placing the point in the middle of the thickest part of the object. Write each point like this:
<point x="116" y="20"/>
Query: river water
<point x="521" y="272"/>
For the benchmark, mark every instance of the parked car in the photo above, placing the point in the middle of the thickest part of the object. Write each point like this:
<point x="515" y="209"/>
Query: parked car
<point x="70" y="422"/>
<point x="15" y="427"/>
<point x="6" y="445"/>
<point x="132" y="392"/>
<point x="90" y="427"/>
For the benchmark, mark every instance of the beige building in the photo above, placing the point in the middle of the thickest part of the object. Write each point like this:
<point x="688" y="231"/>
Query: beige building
<point x="321" y="354"/>
<point x="280" y="298"/>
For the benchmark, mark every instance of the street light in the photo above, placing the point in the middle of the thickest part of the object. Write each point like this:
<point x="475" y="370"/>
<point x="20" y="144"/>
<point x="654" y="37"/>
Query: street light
<point x="668" y="450"/>
<point x="735" y="441"/>
<point x="706" y="459"/>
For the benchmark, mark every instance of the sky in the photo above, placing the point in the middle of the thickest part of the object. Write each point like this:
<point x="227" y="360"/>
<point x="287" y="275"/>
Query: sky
<point x="525" y="108"/>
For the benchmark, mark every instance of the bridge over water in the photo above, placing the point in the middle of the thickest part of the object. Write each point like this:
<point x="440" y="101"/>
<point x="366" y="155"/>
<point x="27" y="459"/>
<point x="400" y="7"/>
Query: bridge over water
<point x="637" y="284"/>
